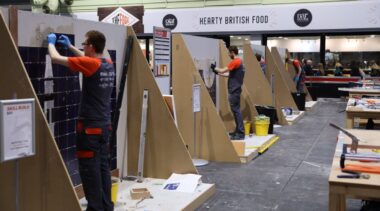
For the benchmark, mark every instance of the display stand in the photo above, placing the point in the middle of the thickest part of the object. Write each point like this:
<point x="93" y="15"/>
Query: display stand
<point x="212" y="140"/>
<point x="44" y="182"/>
<point x="262" y="90"/>
<point x="197" y="109"/>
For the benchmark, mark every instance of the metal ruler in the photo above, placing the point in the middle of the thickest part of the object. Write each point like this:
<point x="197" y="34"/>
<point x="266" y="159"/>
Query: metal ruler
<point x="140" y="168"/>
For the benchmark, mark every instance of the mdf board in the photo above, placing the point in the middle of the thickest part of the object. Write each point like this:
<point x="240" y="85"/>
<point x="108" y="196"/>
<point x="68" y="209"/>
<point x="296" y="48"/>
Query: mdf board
<point x="282" y="93"/>
<point x="212" y="140"/>
<point x="247" y="106"/>
<point x="258" y="85"/>
<point x="165" y="151"/>
<point x="44" y="181"/>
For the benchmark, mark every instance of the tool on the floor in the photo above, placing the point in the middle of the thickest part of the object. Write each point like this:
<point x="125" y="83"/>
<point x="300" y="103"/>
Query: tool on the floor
<point x="140" y="167"/>
<point x="353" y="175"/>
<point x="115" y="120"/>
<point x="355" y="140"/>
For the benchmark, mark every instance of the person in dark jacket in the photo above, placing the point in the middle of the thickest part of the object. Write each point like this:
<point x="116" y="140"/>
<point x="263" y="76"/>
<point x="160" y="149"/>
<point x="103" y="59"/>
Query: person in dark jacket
<point x="235" y="70"/>
<point x="94" y="120"/>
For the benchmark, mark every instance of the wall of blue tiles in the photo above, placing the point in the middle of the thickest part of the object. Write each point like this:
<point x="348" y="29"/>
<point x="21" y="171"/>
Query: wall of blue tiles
<point x="61" y="101"/>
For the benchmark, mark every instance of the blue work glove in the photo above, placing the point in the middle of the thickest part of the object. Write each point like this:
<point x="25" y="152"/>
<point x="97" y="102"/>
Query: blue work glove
<point x="64" y="40"/>
<point x="296" y="78"/>
<point x="51" y="38"/>
<point x="213" y="65"/>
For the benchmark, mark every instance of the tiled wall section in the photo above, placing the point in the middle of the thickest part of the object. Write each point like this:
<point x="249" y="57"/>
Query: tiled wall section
<point x="63" y="99"/>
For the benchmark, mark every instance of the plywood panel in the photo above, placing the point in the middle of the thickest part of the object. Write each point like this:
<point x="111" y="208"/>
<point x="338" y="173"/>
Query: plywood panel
<point x="212" y="139"/>
<point x="165" y="151"/>
<point x="247" y="106"/>
<point x="283" y="97"/>
<point x="258" y="85"/>
<point x="44" y="180"/>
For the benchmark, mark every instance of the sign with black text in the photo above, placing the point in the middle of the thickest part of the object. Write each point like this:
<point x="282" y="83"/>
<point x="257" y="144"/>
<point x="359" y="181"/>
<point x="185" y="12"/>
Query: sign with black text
<point x="17" y="129"/>
<point x="161" y="51"/>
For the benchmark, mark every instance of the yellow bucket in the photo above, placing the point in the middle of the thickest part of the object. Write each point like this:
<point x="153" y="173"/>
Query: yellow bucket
<point x="262" y="125"/>
<point x="247" y="128"/>
<point x="114" y="189"/>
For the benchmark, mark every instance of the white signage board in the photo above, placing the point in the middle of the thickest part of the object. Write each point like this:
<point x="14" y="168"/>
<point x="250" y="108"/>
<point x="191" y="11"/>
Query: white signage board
<point x="120" y="16"/>
<point x="311" y="16"/>
<point x="196" y="98"/>
<point x="17" y="129"/>
<point x="162" y="58"/>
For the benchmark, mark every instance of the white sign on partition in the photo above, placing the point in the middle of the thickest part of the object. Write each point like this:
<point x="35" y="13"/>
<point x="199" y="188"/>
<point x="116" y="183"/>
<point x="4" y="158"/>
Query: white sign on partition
<point x="17" y="129"/>
<point x="311" y="16"/>
<point x="162" y="58"/>
<point x="196" y="98"/>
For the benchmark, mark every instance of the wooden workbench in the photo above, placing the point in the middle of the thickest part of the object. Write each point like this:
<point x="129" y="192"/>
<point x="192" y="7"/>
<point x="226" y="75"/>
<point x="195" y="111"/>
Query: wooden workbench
<point x="340" y="189"/>
<point x="354" y="111"/>
<point x="360" y="91"/>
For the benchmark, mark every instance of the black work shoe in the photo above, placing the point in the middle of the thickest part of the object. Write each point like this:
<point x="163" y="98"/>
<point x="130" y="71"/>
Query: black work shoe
<point x="238" y="136"/>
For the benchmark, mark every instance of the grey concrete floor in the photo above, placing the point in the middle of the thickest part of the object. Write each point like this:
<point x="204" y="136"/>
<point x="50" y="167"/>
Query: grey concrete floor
<point x="291" y="175"/>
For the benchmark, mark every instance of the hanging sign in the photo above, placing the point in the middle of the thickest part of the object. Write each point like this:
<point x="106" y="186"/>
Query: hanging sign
<point x="121" y="17"/>
<point x="17" y="129"/>
<point x="196" y="98"/>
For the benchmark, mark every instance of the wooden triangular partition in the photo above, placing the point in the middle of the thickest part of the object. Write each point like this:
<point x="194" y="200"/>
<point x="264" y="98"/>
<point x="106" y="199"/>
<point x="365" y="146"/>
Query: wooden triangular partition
<point x="44" y="181"/>
<point x="212" y="141"/>
<point x="282" y="93"/>
<point x="247" y="106"/>
<point x="165" y="151"/>
<point x="258" y="85"/>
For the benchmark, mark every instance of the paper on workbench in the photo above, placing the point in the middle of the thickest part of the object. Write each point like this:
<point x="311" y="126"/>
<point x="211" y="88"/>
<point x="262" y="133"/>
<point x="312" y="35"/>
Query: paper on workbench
<point x="182" y="182"/>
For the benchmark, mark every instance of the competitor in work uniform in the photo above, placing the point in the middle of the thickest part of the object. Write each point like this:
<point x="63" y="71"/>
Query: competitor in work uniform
<point x="93" y="125"/>
<point x="235" y="80"/>
<point x="299" y="79"/>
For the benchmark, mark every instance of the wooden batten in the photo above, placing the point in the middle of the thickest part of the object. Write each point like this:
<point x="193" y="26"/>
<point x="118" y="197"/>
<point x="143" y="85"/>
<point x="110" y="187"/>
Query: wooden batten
<point x="282" y="93"/>
<point x="212" y="140"/>
<point x="247" y="106"/>
<point x="258" y="85"/>
<point x="44" y="181"/>
<point x="165" y="151"/>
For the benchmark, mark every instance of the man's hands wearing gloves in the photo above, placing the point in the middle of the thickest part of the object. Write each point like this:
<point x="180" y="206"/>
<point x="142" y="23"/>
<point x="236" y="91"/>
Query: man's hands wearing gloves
<point x="64" y="40"/>
<point x="213" y="66"/>
<point x="51" y="38"/>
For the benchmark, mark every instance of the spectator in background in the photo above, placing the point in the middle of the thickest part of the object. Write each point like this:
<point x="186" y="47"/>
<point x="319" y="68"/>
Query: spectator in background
<point x="321" y="70"/>
<point x="307" y="67"/>
<point x="355" y="69"/>
<point x="338" y="69"/>
<point x="375" y="69"/>
<point x="261" y="62"/>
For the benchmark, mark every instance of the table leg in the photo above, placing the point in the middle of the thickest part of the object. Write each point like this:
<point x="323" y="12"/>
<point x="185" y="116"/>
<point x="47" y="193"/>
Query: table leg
<point x="337" y="202"/>
<point x="349" y="121"/>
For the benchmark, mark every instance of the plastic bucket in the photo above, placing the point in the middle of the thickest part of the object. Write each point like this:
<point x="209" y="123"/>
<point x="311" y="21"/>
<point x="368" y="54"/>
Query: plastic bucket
<point x="247" y="128"/>
<point x="262" y="125"/>
<point x="114" y="189"/>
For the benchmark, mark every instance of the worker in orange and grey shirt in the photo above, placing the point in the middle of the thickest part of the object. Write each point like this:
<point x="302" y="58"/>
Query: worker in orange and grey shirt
<point x="235" y="70"/>
<point x="299" y="78"/>
<point x="93" y="125"/>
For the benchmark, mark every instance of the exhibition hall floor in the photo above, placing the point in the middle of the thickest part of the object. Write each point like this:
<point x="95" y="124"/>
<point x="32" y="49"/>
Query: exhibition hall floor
<point x="291" y="175"/>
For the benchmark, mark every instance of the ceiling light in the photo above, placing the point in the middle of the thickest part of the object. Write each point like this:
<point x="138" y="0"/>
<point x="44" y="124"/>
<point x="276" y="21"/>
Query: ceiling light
<point x="373" y="36"/>
<point x="285" y="38"/>
<point x="239" y="38"/>
<point x="280" y="37"/>
<point x="231" y="36"/>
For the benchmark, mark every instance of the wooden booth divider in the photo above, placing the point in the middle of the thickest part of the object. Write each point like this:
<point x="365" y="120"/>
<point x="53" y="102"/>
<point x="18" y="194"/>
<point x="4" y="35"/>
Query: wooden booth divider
<point x="281" y="90"/>
<point x="212" y="139"/>
<point x="44" y="181"/>
<point x="165" y="150"/>
<point x="258" y="85"/>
